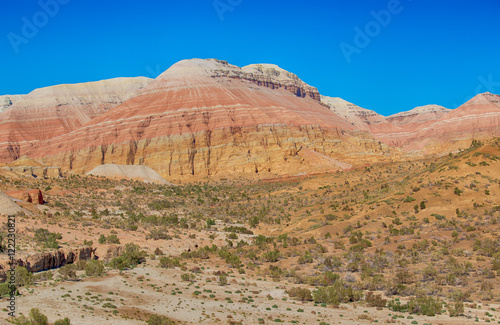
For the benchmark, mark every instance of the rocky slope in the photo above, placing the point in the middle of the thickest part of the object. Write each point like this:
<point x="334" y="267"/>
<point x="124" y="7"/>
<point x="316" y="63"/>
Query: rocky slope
<point x="479" y="118"/>
<point x="48" y="112"/>
<point x="419" y="114"/>
<point x="142" y="173"/>
<point x="435" y="130"/>
<point x="210" y="118"/>
<point x="361" y="118"/>
<point x="7" y="101"/>
<point x="9" y="207"/>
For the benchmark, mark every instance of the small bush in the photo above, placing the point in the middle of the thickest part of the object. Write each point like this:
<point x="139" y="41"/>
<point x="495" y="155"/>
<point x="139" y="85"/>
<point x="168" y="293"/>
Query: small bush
<point x="46" y="238"/>
<point x="130" y="258"/>
<point x="23" y="276"/>
<point x="167" y="262"/>
<point x="68" y="271"/>
<point x="94" y="268"/>
<point x="159" y="320"/>
<point x="375" y="300"/>
<point x="336" y="294"/>
<point x="301" y="294"/>
<point x="428" y="306"/>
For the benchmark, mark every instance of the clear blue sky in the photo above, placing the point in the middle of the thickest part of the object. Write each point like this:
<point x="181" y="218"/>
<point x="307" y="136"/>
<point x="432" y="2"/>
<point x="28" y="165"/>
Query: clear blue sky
<point x="430" y="52"/>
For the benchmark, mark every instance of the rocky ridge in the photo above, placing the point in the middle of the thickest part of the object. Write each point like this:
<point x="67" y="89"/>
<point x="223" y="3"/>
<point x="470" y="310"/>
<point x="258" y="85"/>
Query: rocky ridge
<point x="52" y="111"/>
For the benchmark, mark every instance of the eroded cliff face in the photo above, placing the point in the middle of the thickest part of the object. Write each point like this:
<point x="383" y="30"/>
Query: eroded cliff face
<point x="52" y="111"/>
<point x="49" y="260"/>
<point x="253" y="151"/>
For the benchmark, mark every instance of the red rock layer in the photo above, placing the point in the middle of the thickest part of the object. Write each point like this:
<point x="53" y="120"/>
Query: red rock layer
<point x="52" y="111"/>
<point x="478" y="118"/>
<point x="34" y="196"/>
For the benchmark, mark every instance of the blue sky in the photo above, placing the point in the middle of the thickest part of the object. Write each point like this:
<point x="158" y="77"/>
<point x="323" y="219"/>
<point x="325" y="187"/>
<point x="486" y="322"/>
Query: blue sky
<point x="388" y="56"/>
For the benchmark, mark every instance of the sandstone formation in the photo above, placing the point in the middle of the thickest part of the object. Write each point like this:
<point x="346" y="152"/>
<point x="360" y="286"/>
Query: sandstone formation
<point x="106" y="253"/>
<point x="142" y="173"/>
<point x="50" y="260"/>
<point x="199" y="118"/>
<point x="272" y="76"/>
<point x="51" y="111"/>
<point x="9" y="207"/>
<point x="43" y="172"/>
<point x="34" y="196"/>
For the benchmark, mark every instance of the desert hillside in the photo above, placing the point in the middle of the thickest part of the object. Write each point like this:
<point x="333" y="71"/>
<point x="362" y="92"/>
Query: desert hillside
<point x="397" y="242"/>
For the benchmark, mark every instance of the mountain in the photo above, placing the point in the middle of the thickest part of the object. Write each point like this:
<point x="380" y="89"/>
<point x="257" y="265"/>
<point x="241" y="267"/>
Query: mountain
<point x="479" y="118"/>
<point x="210" y="118"/>
<point x="419" y="115"/>
<point x="361" y="118"/>
<point x="48" y="112"/>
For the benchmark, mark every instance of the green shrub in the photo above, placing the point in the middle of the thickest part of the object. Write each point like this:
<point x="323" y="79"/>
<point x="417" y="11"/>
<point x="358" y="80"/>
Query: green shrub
<point x="375" y="300"/>
<point x="271" y="256"/>
<point x="130" y="258"/>
<point x="159" y="320"/>
<point x="301" y="294"/>
<point x="68" y="271"/>
<point x="111" y="239"/>
<point x="167" y="262"/>
<point x="94" y="268"/>
<point x="64" y="321"/>
<point x="306" y="258"/>
<point x="238" y="230"/>
<point x="5" y="290"/>
<point x="23" y="276"/>
<point x="46" y="238"/>
<point x="188" y="277"/>
<point x="428" y="306"/>
<point x="336" y="294"/>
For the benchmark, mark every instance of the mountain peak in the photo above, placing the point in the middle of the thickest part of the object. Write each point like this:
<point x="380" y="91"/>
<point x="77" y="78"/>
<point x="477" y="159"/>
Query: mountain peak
<point x="484" y="98"/>
<point x="267" y="75"/>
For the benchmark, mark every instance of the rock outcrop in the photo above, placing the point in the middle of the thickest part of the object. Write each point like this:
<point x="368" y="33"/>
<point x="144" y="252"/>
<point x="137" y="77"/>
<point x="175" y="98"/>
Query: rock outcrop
<point x="106" y="253"/>
<point x="34" y="196"/>
<point x="361" y="118"/>
<point x="48" y="112"/>
<point x="43" y="172"/>
<point x="49" y="260"/>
